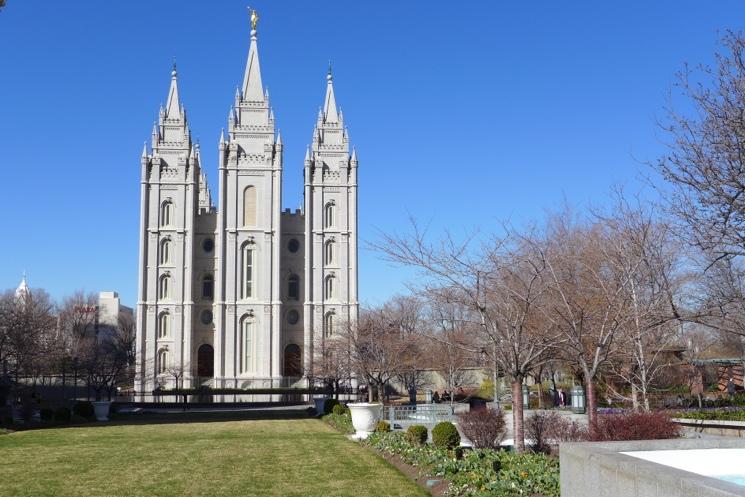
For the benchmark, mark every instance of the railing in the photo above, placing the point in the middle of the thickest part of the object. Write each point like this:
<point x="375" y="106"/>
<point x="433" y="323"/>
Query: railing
<point x="426" y="414"/>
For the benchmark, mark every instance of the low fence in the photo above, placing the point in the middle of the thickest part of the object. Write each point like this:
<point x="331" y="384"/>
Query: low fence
<point x="423" y="414"/>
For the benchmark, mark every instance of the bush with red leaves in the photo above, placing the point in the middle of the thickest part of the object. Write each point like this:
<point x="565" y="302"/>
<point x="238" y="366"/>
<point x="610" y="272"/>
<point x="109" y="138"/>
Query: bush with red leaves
<point x="546" y="429"/>
<point x="635" y="426"/>
<point x="486" y="428"/>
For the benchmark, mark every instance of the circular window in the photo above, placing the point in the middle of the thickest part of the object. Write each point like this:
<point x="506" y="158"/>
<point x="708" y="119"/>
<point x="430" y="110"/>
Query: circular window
<point x="208" y="245"/>
<point x="293" y="317"/>
<point x="206" y="317"/>
<point x="293" y="245"/>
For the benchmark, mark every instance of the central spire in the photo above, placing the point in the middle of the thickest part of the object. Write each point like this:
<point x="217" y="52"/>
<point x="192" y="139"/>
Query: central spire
<point x="330" y="114"/>
<point x="173" y="110"/>
<point x="252" y="87"/>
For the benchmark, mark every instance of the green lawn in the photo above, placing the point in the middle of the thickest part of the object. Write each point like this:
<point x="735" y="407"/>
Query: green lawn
<point x="298" y="457"/>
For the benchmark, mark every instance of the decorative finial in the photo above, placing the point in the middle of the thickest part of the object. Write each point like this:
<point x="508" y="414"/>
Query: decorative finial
<point x="173" y="72"/>
<point x="254" y="20"/>
<point x="329" y="75"/>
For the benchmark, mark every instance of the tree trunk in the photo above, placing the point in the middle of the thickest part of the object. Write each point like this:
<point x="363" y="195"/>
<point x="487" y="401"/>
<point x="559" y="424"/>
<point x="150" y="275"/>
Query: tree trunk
<point x="591" y="405"/>
<point x="634" y="397"/>
<point x="518" y="430"/>
<point x="370" y="393"/>
<point x="381" y="393"/>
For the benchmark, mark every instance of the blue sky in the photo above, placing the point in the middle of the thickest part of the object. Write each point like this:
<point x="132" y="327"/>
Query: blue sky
<point x="464" y="114"/>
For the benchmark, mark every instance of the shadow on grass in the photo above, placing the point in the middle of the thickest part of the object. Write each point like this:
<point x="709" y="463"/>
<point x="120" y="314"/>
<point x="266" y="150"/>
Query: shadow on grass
<point x="181" y="417"/>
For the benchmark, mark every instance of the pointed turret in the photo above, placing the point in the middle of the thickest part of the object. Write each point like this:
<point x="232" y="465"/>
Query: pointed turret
<point x="252" y="88"/>
<point x="330" y="113"/>
<point x="173" y="106"/>
<point x="279" y="137"/>
<point x="144" y="150"/>
<point x="354" y="155"/>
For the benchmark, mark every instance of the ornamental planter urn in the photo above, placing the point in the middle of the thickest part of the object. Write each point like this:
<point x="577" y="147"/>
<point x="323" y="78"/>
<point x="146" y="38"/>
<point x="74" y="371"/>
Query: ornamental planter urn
<point x="101" y="410"/>
<point x="364" y="418"/>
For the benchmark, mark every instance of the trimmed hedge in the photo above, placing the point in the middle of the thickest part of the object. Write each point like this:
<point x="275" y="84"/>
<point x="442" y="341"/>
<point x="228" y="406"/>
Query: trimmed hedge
<point x="62" y="414"/>
<point x="445" y="435"/>
<point x="83" y="408"/>
<point x="382" y="427"/>
<point x="329" y="404"/>
<point x="339" y="409"/>
<point x="416" y="434"/>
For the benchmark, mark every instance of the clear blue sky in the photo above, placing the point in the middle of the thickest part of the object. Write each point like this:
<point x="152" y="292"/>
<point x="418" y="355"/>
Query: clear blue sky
<point x="464" y="114"/>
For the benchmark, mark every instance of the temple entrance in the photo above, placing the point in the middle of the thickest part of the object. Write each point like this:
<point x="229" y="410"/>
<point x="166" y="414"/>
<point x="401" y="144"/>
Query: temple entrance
<point x="292" y="361"/>
<point x="206" y="361"/>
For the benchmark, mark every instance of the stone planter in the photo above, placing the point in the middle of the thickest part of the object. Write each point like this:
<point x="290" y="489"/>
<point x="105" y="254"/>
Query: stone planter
<point x="364" y="418"/>
<point x="318" y="403"/>
<point x="101" y="409"/>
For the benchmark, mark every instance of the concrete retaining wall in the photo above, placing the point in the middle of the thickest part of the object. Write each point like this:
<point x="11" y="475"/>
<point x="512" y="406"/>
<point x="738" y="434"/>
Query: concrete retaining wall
<point x="598" y="469"/>
<point x="713" y="427"/>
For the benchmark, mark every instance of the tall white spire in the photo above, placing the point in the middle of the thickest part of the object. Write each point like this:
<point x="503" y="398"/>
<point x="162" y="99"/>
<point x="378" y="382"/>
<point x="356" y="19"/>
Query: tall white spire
<point x="173" y="107"/>
<point x="23" y="292"/>
<point x="252" y="87"/>
<point x="330" y="114"/>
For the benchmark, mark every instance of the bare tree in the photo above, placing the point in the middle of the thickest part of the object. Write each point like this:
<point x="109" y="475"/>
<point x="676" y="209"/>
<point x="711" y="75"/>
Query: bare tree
<point x="499" y="286"/>
<point x="378" y="350"/>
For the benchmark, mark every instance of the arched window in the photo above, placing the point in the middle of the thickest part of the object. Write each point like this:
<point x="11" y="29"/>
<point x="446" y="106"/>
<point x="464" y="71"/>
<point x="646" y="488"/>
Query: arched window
<point x="329" y="252"/>
<point x="162" y="361"/>
<point x="249" y="206"/>
<point x="247" y="344"/>
<point x="329" y="214"/>
<point x="166" y="213"/>
<point x="164" y="291"/>
<point x="206" y="361"/>
<point x="165" y="251"/>
<point x="330" y="287"/>
<point x="208" y="287"/>
<point x="292" y="360"/>
<point x="328" y="325"/>
<point x="164" y="325"/>
<point x="293" y="287"/>
<point x="248" y="269"/>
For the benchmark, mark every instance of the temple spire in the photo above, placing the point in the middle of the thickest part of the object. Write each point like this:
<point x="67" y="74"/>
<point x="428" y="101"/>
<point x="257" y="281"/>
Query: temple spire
<point x="173" y="106"/>
<point x="252" y="87"/>
<point x="330" y="114"/>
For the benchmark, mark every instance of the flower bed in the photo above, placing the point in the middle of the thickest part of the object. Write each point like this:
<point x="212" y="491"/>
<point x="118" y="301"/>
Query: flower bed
<point x="476" y="473"/>
<point x="342" y="421"/>
<point x="713" y="414"/>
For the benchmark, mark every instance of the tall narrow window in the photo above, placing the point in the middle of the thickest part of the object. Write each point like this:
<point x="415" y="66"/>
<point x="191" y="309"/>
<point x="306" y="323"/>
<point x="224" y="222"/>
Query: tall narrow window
<point x="329" y="214"/>
<point x="166" y="213"/>
<point x="293" y="287"/>
<point x="165" y="287"/>
<point x="164" y="325"/>
<point x="328" y="325"/>
<point x="247" y="286"/>
<point x="208" y="287"/>
<point x="162" y="361"/>
<point x="329" y="252"/>
<point x="330" y="287"/>
<point x="247" y="343"/>
<point x="249" y="206"/>
<point x="165" y="251"/>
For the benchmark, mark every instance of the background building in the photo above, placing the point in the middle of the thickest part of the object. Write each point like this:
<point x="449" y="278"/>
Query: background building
<point x="238" y="295"/>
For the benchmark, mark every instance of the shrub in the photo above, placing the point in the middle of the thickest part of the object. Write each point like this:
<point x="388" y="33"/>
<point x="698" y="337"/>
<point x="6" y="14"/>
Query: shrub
<point x="62" y="414"/>
<point x="46" y="414"/>
<point x="339" y="409"/>
<point x="416" y="434"/>
<point x="383" y="427"/>
<point x="83" y="408"/>
<point x="342" y="422"/>
<point x="635" y="426"/>
<point x="445" y="435"/>
<point x="486" y="428"/>
<point x="328" y="405"/>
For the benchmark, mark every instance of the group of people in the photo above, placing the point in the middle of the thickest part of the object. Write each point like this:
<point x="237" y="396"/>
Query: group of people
<point x="445" y="397"/>
<point x="561" y="399"/>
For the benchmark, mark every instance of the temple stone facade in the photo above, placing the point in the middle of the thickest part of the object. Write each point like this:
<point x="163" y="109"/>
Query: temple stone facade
<point x="241" y="294"/>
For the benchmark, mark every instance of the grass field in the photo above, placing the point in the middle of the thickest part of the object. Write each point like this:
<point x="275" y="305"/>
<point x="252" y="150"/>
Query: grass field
<point x="297" y="457"/>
